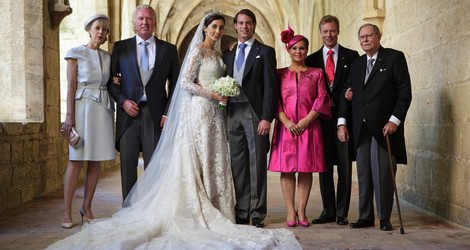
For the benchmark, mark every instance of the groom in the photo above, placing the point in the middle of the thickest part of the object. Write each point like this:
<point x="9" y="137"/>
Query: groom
<point x="253" y="65"/>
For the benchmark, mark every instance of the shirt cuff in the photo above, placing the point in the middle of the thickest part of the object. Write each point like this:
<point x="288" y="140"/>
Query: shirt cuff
<point x="341" y="121"/>
<point x="395" y="120"/>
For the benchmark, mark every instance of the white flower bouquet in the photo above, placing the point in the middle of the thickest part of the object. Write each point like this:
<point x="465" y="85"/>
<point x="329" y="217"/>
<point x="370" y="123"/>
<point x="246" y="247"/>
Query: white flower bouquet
<point x="226" y="86"/>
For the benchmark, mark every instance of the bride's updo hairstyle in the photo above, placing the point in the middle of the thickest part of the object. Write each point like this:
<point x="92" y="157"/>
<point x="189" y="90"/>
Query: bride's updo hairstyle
<point x="210" y="18"/>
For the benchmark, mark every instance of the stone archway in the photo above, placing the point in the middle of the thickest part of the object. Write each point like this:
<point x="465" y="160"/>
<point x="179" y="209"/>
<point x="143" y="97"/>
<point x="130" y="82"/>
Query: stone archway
<point x="179" y="19"/>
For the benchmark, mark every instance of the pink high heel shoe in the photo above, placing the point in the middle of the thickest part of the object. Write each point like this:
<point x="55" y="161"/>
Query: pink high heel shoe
<point x="292" y="223"/>
<point x="304" y="223"/>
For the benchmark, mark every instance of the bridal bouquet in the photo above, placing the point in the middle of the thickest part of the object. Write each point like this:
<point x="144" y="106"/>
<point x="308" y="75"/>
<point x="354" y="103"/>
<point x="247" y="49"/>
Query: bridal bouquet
<point x="226" y="86"/>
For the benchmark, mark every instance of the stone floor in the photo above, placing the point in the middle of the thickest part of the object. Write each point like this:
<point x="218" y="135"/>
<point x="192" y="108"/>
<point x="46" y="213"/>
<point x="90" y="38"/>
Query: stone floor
<point x="36" y="224"/>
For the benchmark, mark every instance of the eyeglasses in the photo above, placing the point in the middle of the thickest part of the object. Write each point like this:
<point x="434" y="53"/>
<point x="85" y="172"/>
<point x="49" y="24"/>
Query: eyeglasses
<point x="368" y="36"/>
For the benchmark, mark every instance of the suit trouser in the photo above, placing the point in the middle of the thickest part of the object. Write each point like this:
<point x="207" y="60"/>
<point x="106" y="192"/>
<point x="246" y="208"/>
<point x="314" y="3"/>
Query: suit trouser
<point x="374" y="176"/>
<point x="248" y="152"/>
<point x="336" y="205"/>
<point x="139" y="136"/>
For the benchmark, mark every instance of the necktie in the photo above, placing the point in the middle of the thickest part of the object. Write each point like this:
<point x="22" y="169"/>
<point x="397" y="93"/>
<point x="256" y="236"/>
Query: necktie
<point x="144" y="56"/>
<point x="370" y="65"/>
<point x="241" y="56"/>
<point x="330" y="67"/>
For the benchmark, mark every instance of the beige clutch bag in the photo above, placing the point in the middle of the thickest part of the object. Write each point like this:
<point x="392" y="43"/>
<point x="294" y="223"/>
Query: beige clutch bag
<point x="73" y="137"/>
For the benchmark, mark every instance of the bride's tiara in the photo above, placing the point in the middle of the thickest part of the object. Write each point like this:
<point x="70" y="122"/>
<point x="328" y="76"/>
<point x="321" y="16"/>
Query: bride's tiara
<point x="212" y="13"/>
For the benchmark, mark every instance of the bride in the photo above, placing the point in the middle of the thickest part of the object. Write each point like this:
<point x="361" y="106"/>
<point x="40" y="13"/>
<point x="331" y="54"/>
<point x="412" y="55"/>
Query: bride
<point x="185" y="197"/>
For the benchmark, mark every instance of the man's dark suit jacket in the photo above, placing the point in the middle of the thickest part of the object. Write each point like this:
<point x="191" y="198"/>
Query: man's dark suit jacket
<point x="387" y="92"/>
<point x="344" y="61"/>
<point x="124" y="61"/>
<point x="260" y="82"/>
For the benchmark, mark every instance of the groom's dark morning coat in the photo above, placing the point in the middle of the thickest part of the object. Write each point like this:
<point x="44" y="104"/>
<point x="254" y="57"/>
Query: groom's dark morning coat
<point x="260" y="85"/>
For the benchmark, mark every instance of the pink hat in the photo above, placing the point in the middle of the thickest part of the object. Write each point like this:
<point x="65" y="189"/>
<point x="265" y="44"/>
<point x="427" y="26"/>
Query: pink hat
<point x="288" y="37"/>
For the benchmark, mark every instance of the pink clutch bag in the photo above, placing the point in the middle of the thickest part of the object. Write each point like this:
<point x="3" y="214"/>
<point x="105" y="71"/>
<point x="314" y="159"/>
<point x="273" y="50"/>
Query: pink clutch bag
<point x="73" y="137"/>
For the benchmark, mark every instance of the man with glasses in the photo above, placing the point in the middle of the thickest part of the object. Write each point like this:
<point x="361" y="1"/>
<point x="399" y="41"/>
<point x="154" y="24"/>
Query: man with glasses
<point x="381" y="88"/>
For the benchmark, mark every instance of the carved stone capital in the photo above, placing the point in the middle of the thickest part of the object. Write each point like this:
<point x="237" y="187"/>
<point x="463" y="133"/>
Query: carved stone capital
<point x="375" y="12"/>
<point x="58" y="9"/>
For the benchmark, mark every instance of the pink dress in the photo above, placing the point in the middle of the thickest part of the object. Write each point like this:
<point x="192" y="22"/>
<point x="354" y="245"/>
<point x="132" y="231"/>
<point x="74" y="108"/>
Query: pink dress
<point x="298" y="97"/>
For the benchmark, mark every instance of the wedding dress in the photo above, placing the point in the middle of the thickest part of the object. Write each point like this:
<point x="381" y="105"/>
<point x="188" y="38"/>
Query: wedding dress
<point x="185" y="198"/>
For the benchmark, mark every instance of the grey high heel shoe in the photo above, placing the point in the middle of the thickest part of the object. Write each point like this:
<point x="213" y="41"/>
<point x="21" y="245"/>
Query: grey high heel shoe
<point x="82" y="213"/>
<point x="67" y="225"/>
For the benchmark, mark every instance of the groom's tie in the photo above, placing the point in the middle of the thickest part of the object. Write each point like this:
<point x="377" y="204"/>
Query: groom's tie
<point x="241" y="56"/>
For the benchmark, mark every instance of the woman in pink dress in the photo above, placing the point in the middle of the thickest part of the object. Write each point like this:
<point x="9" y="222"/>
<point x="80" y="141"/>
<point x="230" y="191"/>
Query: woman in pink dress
<point x="297" y="144"/>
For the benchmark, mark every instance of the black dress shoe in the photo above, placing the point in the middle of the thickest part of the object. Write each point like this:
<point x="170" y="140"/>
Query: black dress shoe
<point x="323" y="220"/>
<point x="257" y="222"/>
<point x="342" y="221"/>
<point x="385" y="225"/>
<point x="362" y="224"/>
<point x="242" y="221"/>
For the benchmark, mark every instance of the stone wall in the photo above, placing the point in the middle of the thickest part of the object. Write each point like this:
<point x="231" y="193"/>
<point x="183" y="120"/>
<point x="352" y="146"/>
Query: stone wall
<point x="434" y="36"/>
<point x="21" y="72"/>
<point x="33" y="156"/>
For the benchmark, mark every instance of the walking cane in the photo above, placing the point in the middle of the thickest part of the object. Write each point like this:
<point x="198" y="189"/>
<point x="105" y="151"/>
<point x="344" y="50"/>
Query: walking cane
<point x="402" y="231"/>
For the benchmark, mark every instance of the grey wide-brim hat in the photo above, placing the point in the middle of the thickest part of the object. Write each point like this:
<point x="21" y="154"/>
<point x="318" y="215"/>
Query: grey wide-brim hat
<point x="91" y="19"/>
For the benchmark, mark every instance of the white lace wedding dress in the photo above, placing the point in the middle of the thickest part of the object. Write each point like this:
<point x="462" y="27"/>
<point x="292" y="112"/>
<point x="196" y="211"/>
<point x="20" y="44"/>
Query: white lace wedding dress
<point x="185" y="197"/>
<point x="207" y="130"/>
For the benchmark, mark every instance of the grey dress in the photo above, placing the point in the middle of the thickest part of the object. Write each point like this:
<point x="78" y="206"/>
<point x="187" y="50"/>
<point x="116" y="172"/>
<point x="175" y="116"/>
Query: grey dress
<point x="94" y="109"/>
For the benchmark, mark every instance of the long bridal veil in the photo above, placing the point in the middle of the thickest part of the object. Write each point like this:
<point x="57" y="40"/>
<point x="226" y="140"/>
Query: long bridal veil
<point x="168" y="207"/>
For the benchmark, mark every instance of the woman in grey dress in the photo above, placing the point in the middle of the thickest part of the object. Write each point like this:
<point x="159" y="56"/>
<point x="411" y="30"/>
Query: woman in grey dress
<point x="90" y="110"/>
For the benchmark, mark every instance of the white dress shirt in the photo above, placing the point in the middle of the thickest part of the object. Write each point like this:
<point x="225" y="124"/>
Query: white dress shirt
<point x="151" y="49"/>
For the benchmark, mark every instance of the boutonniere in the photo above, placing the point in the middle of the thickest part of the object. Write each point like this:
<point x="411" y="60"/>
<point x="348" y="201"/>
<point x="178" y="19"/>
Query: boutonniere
<point x="258" y="57"/>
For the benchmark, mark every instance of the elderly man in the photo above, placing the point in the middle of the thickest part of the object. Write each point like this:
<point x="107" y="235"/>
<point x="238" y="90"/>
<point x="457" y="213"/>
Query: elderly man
<point x="381" y="88"/>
